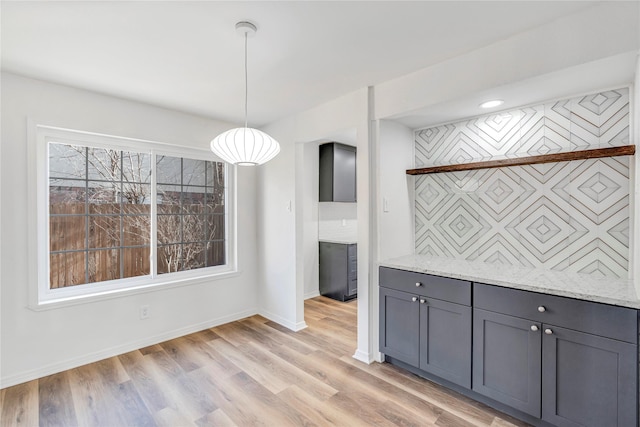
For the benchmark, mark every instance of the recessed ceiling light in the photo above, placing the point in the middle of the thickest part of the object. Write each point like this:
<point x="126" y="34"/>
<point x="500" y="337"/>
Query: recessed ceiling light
<point x="492" y="103"/>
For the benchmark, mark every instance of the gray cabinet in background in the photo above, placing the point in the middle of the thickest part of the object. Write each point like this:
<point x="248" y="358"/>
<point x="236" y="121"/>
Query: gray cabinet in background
<point x="338" y="270"/>
<point x="337" y="173"/>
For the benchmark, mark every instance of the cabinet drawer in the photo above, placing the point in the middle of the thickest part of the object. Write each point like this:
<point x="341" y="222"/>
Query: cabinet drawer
<point x="443" y="288"/>
<point x="619" y="323"/>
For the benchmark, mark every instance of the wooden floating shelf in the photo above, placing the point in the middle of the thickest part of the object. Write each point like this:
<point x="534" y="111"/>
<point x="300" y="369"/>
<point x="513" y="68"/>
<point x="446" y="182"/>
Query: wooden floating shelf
<point x="625" y="150"/>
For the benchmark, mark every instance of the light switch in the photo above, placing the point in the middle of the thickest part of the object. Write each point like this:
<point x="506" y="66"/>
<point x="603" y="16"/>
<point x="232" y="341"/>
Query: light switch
<point x="385" y="204"/>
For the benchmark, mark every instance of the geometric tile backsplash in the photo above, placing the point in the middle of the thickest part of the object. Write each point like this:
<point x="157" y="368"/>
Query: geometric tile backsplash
<point x="569" y="216"/>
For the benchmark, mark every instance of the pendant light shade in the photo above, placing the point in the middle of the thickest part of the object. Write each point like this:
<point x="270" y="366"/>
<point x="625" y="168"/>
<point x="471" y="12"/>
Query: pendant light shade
<point x="245" y="146"/>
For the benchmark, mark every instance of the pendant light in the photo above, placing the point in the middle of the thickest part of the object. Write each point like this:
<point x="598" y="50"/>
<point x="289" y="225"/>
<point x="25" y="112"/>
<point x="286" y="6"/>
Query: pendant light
<point x="245" y="146"/>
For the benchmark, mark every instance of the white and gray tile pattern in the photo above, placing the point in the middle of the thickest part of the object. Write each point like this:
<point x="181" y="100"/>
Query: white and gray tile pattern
<point x="565" y="216"/>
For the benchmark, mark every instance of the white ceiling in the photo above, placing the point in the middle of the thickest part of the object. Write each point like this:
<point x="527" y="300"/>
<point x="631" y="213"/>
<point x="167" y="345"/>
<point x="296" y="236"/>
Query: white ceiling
<point x="187" y="55"/>
<point x="611" y="72"/>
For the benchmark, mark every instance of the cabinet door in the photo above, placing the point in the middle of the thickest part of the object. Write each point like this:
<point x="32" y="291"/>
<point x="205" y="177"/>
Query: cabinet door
<point x="507" y="360"/>
<point x="333" y="274"/>
<point x="337" y="175"/>
<point x="399" y="325"/>
<point x="344" y="173"/>
<point x="445" y="340"/>
<point x="588" y="380"/>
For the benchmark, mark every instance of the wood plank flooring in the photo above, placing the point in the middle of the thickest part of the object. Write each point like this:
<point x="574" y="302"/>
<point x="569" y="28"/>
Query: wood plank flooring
<point x="251" y="372"/>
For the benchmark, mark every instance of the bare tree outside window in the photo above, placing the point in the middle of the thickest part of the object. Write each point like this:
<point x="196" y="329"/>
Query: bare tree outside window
<point x="190" y="214"/>
<point x="100" y="214"/>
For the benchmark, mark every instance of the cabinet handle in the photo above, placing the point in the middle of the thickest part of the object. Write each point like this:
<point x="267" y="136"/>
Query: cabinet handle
<point x="414" y="299"/>
<point x="534" y="328"/>
<point x="541" y="309"/>
<point x="422" y="300"/>
<point x="418" y="284"/>
<point x="548" y="331"/>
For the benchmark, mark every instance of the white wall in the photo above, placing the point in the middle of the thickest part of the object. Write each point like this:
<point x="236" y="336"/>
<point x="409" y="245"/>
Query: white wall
<point x="282" y="237"/>
<point x="307" y="167"/>
<point x="38" y="343"/>
<point x="396" y="223"/>
<point x="277" y="225"/>
<point x="338" y="221"/>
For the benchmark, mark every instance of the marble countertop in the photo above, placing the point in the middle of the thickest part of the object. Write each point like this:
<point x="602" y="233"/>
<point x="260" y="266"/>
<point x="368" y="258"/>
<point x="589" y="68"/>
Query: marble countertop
<point x="573" y="285"/>
<point x="344" y="241"/>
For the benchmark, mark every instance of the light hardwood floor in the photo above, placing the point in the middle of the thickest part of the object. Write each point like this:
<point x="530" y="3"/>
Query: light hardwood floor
<point x="245" y="373"/>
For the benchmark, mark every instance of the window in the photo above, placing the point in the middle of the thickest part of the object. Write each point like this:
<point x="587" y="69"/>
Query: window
<point x="99" y="214"/>
<point x="190" y="200"/>
<point x="124" y="214"/>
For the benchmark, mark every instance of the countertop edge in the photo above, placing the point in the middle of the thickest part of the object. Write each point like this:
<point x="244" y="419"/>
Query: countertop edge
<point x="408" y="264"/>
<point x="337" y="241"/>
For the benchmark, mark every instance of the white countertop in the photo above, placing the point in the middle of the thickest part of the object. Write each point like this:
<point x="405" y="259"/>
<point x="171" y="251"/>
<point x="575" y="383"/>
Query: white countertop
<point x="345" y="241"/>
<point x="573" y="285"/>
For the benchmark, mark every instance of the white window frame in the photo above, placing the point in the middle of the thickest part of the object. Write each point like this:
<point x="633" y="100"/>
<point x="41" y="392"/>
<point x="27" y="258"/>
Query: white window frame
<point x="41" y="295"/>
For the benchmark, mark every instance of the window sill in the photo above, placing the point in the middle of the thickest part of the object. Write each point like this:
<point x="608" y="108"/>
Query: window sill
<point x="157" y="285"/>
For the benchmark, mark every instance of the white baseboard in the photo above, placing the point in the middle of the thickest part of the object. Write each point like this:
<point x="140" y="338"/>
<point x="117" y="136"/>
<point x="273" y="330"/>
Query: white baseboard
<point x="54" y="368"/>
<point x="312" y="294"/>
<point x="363" y="356"/>
<point x="294" y="326"/>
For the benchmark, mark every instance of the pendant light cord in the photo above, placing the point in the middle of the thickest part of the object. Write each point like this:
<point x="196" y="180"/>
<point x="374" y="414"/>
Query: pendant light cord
<point x="246" y="81"/>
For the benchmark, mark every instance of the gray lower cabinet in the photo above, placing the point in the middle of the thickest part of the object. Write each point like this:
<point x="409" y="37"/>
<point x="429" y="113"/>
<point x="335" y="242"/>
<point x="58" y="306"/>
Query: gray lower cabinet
<point x="506" y="360"/>
<point x="550" y="360"/>
<point x="564" y="376"/>
<point x="399" y="325"/>
<point x="445" y="340"/>
<point x="587" y="380"/>
<point x="428" y="333"/>
<point x="338" y="265"/>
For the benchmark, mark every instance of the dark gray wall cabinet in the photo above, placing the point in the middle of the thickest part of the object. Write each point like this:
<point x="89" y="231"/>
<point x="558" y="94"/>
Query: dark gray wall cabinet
<point x="429" y="333"/>
<point x="338" y="270"/>
<point x="337" y="173"/>
<point x="549" y="360"/>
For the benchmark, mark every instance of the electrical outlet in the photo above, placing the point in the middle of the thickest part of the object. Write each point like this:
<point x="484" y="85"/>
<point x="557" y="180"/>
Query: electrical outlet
<point x="144" y="312"/>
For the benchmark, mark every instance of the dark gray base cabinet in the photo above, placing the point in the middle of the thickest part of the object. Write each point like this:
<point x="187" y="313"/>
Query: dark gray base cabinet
<point x="506" y="360"/>
<point x="445" y="340"/>
<point x="428" y="333"/>
<point x="567" y="378"/>
<point x="338" y="267"/>
<point x="399" y="325"/>
<point x="588" y="380"/>
<point x="551" y="361"/>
